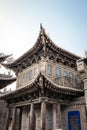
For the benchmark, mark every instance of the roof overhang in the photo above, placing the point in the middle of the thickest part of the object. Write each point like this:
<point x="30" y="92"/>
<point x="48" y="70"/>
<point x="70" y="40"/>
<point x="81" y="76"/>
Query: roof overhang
<point x="40" y="45"/>
<point x="48" y="84"/>
<point x="6" y="81"/>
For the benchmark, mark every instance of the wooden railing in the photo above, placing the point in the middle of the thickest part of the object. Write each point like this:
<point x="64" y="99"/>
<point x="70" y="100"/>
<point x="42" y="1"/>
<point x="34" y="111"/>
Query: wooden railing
<point x="68" y="82"/>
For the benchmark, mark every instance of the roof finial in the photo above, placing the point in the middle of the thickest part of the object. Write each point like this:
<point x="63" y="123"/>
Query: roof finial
<point x="42" y="33"/>
<point x="41" y="26"/>
<point x="42" y="30"/>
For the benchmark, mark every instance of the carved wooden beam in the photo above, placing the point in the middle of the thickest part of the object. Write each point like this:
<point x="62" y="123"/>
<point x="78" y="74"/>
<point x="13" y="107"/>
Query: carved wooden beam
<point x="36" y="58"/>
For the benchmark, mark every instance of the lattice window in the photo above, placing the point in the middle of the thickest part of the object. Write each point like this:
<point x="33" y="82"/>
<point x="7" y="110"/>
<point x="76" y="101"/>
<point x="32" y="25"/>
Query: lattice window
<point x="58" y="72"/>
<point x="35" y="71"/>
<point x="30" y="74"/>
<point x="65" y="74"/>
<point x="50" y="69"/>
<point x="71" y="75"/>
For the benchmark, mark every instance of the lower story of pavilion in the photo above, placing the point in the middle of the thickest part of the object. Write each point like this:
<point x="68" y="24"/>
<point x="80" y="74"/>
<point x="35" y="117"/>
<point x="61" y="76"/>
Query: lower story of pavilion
<point x="45" y="113"/>
<point x="43" y="105"/>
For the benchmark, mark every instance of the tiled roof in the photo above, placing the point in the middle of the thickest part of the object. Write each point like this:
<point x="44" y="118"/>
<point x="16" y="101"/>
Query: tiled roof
<point x="47" y="84"/>
<point x="43" y="37"/>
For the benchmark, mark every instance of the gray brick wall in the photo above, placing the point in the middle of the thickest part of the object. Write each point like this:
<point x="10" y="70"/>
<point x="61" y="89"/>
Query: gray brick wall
<point x="79" y="108"/>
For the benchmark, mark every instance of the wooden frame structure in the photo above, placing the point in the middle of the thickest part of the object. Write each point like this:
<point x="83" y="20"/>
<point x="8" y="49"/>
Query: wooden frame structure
<point x="41" y="101"/>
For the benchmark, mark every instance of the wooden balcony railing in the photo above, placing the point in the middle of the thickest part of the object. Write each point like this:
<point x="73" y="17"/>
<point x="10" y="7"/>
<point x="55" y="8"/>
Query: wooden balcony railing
<point x="68" y="82"/>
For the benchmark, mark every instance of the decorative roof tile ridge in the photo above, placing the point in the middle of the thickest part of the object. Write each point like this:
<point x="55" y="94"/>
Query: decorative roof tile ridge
<point x="35" y="46"/>
<point x="5" y="56"/>
<point x="34" y="80"/>
<point x="43" y="32"/>
<point x="23" y="55"/>
<point x="18" y="59"/>
<point x="10" y="78"/>
<point x="58" y="47"/>
<point x="20" y="88"/>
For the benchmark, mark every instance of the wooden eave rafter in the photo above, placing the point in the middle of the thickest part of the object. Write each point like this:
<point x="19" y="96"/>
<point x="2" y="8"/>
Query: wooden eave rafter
<point x="47" y="84"/>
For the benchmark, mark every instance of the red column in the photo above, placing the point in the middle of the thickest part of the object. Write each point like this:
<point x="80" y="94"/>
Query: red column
<point x="43" y="115"/>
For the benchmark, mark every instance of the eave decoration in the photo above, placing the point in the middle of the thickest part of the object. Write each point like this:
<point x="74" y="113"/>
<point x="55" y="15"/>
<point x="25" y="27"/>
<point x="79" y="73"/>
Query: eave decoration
<point x="44" y="46"/>
<point x="41" y="86"/>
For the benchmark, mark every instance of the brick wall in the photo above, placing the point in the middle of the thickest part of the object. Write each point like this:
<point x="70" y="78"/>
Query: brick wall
<point x="79" y="108"/>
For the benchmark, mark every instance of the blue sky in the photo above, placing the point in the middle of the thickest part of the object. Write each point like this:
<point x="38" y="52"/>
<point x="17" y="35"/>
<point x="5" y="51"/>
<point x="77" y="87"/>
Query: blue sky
<point x="65" y="21"/>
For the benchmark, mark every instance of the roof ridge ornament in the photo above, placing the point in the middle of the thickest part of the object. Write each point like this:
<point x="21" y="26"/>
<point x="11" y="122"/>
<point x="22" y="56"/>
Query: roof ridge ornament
<point x="41" y="27"/>
<point x="42" y="32"/>
<point x="43" y="38"/>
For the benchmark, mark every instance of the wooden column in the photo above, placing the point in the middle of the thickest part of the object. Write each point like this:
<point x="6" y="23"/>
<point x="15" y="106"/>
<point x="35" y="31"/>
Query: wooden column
<point x="32" y="118"/>
<point x="14" y="118"/>
<point x="7" y="119"/>
<point x="43" y="115"/>
<point x="54" y="116"/>
<point x="58" y="117"/>
<point x="20" y="119"/>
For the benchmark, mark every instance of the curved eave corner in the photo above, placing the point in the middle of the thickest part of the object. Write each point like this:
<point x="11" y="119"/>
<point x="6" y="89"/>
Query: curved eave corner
<point x="54" y="87"/>
<point x="4" y="82"/>
<point x="39" y="44"/>
<point x="63" y="89"/>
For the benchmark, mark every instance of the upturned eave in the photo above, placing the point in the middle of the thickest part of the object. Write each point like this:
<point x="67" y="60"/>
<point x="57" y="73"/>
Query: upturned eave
<point x="4" y="82"/>
<point x="48" y="84"/>
<point x="42" y="40"/>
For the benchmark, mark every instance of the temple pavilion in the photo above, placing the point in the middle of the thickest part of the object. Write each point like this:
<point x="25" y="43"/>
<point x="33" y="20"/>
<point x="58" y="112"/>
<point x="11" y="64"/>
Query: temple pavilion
<point x="49" y="91"/>
<point x="5" y="80"/>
